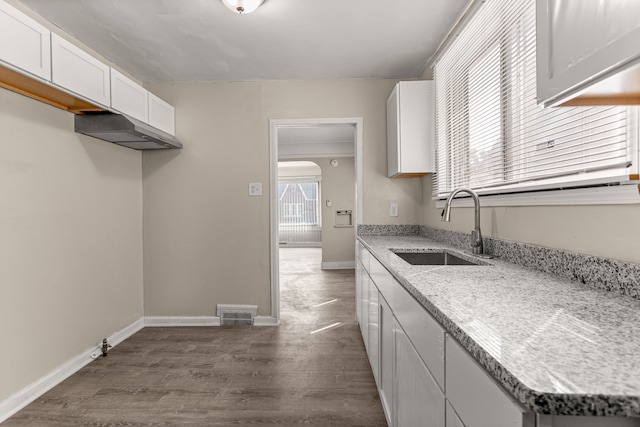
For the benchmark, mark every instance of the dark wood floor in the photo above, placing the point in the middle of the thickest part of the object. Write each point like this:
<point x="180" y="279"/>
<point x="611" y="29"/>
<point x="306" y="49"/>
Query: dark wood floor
<point x="312" y="369"/>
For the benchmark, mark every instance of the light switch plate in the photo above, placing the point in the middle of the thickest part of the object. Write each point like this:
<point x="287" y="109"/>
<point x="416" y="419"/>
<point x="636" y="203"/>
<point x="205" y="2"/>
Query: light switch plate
<point x="255" y="189"/>
<point x="393" y="209"/>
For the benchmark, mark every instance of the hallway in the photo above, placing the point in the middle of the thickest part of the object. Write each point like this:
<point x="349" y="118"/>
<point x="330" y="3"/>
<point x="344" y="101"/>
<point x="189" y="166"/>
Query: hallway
<point x="312" y="369"/>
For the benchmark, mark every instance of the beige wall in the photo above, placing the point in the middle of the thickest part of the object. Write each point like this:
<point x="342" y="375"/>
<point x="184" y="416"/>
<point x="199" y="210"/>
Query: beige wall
<point x="338" y="186"/>
<point x="607" y="231"/>
<point x="206" y="240"/>
<point x="70" y="233"/>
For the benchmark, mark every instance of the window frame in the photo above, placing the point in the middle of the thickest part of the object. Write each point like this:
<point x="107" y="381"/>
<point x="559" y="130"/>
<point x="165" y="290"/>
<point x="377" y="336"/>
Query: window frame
<point x="612" y="186"/>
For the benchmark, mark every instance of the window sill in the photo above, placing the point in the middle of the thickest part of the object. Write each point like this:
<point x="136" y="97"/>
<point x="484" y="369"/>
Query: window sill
<point x="626" y="194"/>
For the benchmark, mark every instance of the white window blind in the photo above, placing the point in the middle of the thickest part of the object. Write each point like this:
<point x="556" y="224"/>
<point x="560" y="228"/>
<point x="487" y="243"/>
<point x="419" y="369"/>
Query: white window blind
<point x="490" y="133"/>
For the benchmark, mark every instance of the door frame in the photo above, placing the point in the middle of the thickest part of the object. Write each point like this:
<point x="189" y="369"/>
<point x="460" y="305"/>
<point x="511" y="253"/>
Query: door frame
<point x="274" y="125"/>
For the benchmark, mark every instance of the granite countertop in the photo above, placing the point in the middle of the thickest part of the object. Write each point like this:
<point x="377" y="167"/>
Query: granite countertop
<point x="558" y="346"/>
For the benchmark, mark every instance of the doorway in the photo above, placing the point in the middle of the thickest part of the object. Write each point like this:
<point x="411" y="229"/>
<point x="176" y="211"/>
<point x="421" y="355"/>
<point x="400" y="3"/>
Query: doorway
<point x="299" y="206"/>
<point x="295" y="139"/>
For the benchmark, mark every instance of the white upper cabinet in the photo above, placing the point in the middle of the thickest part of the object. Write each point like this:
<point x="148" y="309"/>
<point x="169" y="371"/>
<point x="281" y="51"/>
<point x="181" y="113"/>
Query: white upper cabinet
<point x="75" y="70"/>
<point x="588" y="52"/>
<point x="410" y="130"/>
<point x="128" y="97"/>
<point x="24" y="43"/>
<point x="161" y="115"/>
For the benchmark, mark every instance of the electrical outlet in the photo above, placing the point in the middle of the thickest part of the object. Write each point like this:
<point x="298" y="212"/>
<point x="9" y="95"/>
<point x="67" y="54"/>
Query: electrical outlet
<point x="393" y="209"/>
<point x="255" y="189"/>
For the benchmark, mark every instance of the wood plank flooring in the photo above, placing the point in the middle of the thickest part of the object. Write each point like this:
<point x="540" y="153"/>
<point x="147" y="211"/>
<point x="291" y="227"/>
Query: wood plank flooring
<point x="312" y="369"/>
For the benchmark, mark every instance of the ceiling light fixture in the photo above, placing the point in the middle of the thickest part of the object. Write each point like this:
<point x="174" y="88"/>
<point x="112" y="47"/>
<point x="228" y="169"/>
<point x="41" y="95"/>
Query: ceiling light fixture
<point x="242" y="6"/>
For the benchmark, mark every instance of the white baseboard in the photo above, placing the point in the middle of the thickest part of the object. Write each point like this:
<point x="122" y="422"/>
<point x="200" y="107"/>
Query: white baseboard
<point x="340" y="265"/>
<point x="22" y="398"/>
<point x="265" y="321"/>
<point x="167" y="321"/>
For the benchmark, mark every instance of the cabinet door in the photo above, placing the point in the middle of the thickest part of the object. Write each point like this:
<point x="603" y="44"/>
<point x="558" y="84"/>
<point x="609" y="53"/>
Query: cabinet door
<point x="359" y="273"/>
<point x="393" y="148"/>
<point x="476" y="398"/>
<point x="424" y="331"/>
<point x="75" y="70"/>
<point x="580" y="43"/>
<point x="374" y="331"/>
<point x="453" y="420"/>
<point x="418" y="399"/>
<point x="24" y="43"/>
<point x="128" y="97"/>
<point x="386" y="358"/>
<point x="364" y="301"/>
<point x="161" y="115"/>
<point x="410" y="129"/>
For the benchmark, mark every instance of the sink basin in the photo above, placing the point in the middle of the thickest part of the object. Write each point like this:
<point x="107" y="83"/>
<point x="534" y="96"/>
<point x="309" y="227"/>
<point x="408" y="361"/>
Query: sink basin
<point x="433" y="258"/>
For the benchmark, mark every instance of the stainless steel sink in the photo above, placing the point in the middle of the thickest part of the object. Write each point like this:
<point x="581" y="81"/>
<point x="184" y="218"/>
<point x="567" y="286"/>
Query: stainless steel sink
<point x="434" y="258"/>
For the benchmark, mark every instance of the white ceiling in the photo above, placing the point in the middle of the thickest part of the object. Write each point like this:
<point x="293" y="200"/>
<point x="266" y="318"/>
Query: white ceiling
<point x="202" y="41"/>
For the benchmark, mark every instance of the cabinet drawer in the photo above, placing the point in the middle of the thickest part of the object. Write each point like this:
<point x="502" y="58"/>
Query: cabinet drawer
<point x="75" y="70"/>
<point x="128" y="97"/>
<point x="477" y="399"/>
<point x="382" y="278"/>
<point x="424" y="331"/>
<point x="24" y="43"/>
<point x="364" y="255"/>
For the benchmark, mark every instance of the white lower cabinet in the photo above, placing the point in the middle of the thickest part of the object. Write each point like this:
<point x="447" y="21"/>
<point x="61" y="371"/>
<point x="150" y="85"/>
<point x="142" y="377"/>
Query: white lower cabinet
<point x="418" y="399"/>
<point x="365" y="283"/>
<point x="476" y="398"/>
<point x="453" y="420"/>
<point x="424" y="377"/>
<point x="374" y="331"/>
<point x="387" y="358"/>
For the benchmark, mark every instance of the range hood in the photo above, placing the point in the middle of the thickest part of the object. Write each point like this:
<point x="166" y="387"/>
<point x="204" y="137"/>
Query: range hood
<point x="124" y="130"/>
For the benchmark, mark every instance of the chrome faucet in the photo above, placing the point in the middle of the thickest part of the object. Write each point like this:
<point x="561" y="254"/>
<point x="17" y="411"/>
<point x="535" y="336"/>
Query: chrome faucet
<point x="476" y="235"/>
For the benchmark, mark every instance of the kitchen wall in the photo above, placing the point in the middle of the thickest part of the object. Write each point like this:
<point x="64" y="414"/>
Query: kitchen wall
<point x="205" y="240"/>
<point x="71" y="240"/>
<point x="610" y="231"/>
<point x="337" y="185"/>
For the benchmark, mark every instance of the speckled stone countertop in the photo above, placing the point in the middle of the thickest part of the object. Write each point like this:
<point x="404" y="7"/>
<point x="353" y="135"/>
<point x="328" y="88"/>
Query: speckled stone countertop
<point x="558" y="347"/>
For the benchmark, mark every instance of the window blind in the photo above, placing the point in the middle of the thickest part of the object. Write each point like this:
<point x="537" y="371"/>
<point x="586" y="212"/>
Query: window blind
<point x="490" y="133"/>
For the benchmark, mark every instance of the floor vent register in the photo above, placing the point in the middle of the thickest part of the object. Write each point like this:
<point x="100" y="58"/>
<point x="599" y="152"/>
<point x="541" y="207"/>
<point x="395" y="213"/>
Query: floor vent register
<point x="234" y="314"/>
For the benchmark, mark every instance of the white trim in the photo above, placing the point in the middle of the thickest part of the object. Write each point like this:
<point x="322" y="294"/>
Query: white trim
<point x="234" y="308"/>
<point x="614" y="195"/>
<point x="22" y="398"/>
<point x="338" y="265"/>
<point x="265" y="321"/>
<point x="169" y="321"/>
<point x="273" y="182"/>
<point x="273" y="218"/>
